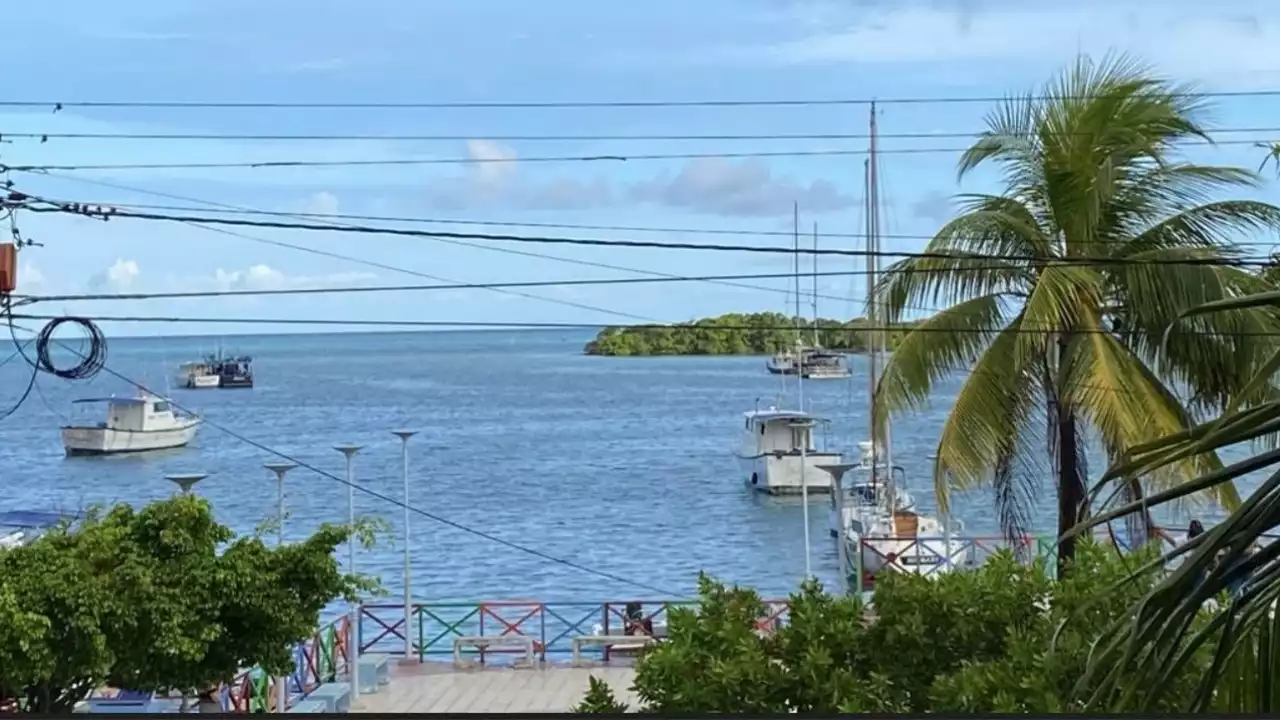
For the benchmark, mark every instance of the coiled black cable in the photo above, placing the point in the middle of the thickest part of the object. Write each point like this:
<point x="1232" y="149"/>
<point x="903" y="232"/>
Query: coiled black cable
<point x="90" y="362"/>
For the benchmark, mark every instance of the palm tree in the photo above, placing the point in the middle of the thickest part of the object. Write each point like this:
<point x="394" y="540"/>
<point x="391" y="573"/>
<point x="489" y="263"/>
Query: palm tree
<point x="1059" y="290"/>
<point x="1240" y="557"/>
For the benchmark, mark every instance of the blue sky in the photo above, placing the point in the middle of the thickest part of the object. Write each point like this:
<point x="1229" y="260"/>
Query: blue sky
<point x="509" y="50"/>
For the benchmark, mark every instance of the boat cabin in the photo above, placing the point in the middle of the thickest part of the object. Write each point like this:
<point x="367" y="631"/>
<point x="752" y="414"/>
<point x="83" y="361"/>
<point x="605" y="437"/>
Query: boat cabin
<point x="781" y="431"/>
<point x="133" y="413"/>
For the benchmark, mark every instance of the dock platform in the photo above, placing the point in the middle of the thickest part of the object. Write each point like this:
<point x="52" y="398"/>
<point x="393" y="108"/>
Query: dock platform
<point x="433" y="687"/>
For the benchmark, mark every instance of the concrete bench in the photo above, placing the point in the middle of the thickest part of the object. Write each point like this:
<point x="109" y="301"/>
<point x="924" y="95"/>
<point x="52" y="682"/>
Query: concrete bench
<point x="375" y="671"/>
<point x="310" y="706"/>
<point x="484" y="642"/>
<point x="610" y="641"/>
<point x="336" y="696"/>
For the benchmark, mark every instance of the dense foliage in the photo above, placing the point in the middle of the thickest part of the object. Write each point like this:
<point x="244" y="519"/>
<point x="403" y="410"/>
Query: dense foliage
<point x="735" y="334"/>
<point x="1060" y="289"/>
<point x="162" y="598"/>
<point x="1002" y="638"/>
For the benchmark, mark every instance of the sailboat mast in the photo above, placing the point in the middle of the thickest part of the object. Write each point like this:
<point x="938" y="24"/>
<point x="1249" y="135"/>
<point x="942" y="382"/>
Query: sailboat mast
<point x="795" y="217"/>
<point x="868" y="337"/>
<point x="884" y="331"/>
<point x="815" y="284"/>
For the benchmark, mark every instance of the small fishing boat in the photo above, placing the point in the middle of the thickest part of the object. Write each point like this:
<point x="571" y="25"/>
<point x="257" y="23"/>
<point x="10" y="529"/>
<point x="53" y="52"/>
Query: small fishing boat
<point x="197" y="375"/>
<point x="134" y="424"/>
<point x="233" y="371"/>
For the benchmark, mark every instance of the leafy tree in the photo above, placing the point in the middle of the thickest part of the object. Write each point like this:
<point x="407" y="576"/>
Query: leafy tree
<point x="735" y="334"/>
<point x="1002" y="638"/>
<point x="1060" y="289"/>
<point x="163" y="599"/>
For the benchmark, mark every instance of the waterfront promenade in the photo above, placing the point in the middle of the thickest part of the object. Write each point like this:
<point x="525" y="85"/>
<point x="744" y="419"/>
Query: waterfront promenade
<point x="434" y="687"/>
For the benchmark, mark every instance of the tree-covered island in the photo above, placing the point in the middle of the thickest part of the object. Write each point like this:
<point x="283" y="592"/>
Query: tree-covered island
<point x="735" y="334"/>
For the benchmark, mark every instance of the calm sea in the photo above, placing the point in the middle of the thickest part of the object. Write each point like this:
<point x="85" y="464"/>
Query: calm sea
<point x="621" y="465"/>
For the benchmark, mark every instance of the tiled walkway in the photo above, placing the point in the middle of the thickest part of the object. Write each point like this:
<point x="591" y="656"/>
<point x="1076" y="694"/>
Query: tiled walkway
<point x="435" y="688"/>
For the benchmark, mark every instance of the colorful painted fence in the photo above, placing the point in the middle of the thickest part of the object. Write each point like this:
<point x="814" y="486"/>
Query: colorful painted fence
<point x="319" y="660"/>
<point x="551" y="625"/>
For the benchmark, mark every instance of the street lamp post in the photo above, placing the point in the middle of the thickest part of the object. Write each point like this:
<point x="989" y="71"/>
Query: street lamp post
<point x="353" y="610"/>
<point x="279" y="468"/>
<point x="186" y="481"/>
<point x="404" y="436"/>
<point x="837" y="471"/>
<point x="801" y="431"/>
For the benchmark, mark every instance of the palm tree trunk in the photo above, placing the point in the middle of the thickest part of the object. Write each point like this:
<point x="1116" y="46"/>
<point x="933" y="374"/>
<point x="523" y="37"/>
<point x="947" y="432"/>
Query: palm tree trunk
<point x="1070" y="489"/>
<point x="1070" y="481"/>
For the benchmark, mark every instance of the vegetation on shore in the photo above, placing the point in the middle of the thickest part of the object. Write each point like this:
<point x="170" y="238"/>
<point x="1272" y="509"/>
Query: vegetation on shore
<point x="1003" y="638"/>
<point x="163" y="598"/>
<point x="737" y="334"/>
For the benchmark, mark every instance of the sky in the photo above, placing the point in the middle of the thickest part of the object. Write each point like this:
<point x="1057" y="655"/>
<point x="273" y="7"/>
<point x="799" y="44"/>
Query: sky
<point x="448" y="51"/>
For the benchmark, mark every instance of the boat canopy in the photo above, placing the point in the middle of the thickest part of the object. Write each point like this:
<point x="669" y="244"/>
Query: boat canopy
<point x="116" y="400"/>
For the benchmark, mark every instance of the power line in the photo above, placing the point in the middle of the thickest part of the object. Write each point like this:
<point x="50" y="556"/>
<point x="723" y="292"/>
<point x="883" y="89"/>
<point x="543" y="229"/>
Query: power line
<point x="240" y="210"/>
<point x="101" y="213"/>
<point x="611" y="157"/>
<point x="56" y="105"/>
<point x="386" y="498"/>
<point x="374" y="137"/>
<point x="691" y="327"/>
<point x="369" y="263"/>
<point x="30" y="299"/>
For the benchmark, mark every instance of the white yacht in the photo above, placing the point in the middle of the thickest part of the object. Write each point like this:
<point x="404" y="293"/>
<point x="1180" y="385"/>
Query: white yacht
<point x="869" y="490"/>
<point x="136" y="424"/>
<point x="769" y="454"/>
<point x="199" y="374"/>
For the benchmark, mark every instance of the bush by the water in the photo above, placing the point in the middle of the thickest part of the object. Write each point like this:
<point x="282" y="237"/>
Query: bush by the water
<point x="1001" y="638"/>
<point x="735" y="334"/>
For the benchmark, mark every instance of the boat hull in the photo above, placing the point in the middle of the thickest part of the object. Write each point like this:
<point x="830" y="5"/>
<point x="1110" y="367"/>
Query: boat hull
<point x="233" y="383"/>
<point x="198" y="382"/>
<point x="780" y="473"/>
<point x="111" y="441"/>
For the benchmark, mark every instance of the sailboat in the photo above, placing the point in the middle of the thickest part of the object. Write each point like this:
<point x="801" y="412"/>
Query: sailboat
<point x="777" y="453"/>
<point x="813" y="362"/>
<point x="881" y="527"/>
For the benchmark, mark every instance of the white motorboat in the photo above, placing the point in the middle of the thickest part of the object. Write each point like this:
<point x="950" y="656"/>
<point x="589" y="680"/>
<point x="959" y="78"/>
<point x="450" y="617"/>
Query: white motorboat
<point x="195" y="375"/>
<point x="134" y="424"/>
<point x="19" y="527"/>
<point x="770" y="454"/>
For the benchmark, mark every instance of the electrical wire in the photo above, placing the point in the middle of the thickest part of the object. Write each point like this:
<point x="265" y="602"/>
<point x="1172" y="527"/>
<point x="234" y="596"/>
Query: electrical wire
<point x="89" y="365"/>
<point x="906" y="326"/>
<point x="380" y="496"/>
<point x="206" y="206"/>
<point x="57" y="105"/>
<point x="610" y="157"/>
<point x="935" y="135"/>
<point x="25" y="300"/>
<point x="107" y="213"/>
<point x="223" y="207"/>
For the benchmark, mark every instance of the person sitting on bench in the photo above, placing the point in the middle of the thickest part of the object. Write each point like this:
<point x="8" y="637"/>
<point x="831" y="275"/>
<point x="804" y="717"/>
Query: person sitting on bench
<point x="634" y="619"/>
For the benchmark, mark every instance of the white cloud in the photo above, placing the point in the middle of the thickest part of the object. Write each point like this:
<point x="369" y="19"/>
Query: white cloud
<point x="704" y="185"/>
<point x="265" y="277"/>
<point x="30" y="279"/>
<point x="1173" y="36"/>
<point x="321" y="203"/>
<point x="121" y="276"/>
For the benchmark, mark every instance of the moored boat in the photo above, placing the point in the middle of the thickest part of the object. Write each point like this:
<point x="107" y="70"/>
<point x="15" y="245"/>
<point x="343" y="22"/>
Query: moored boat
<point x="133" y="424"/>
